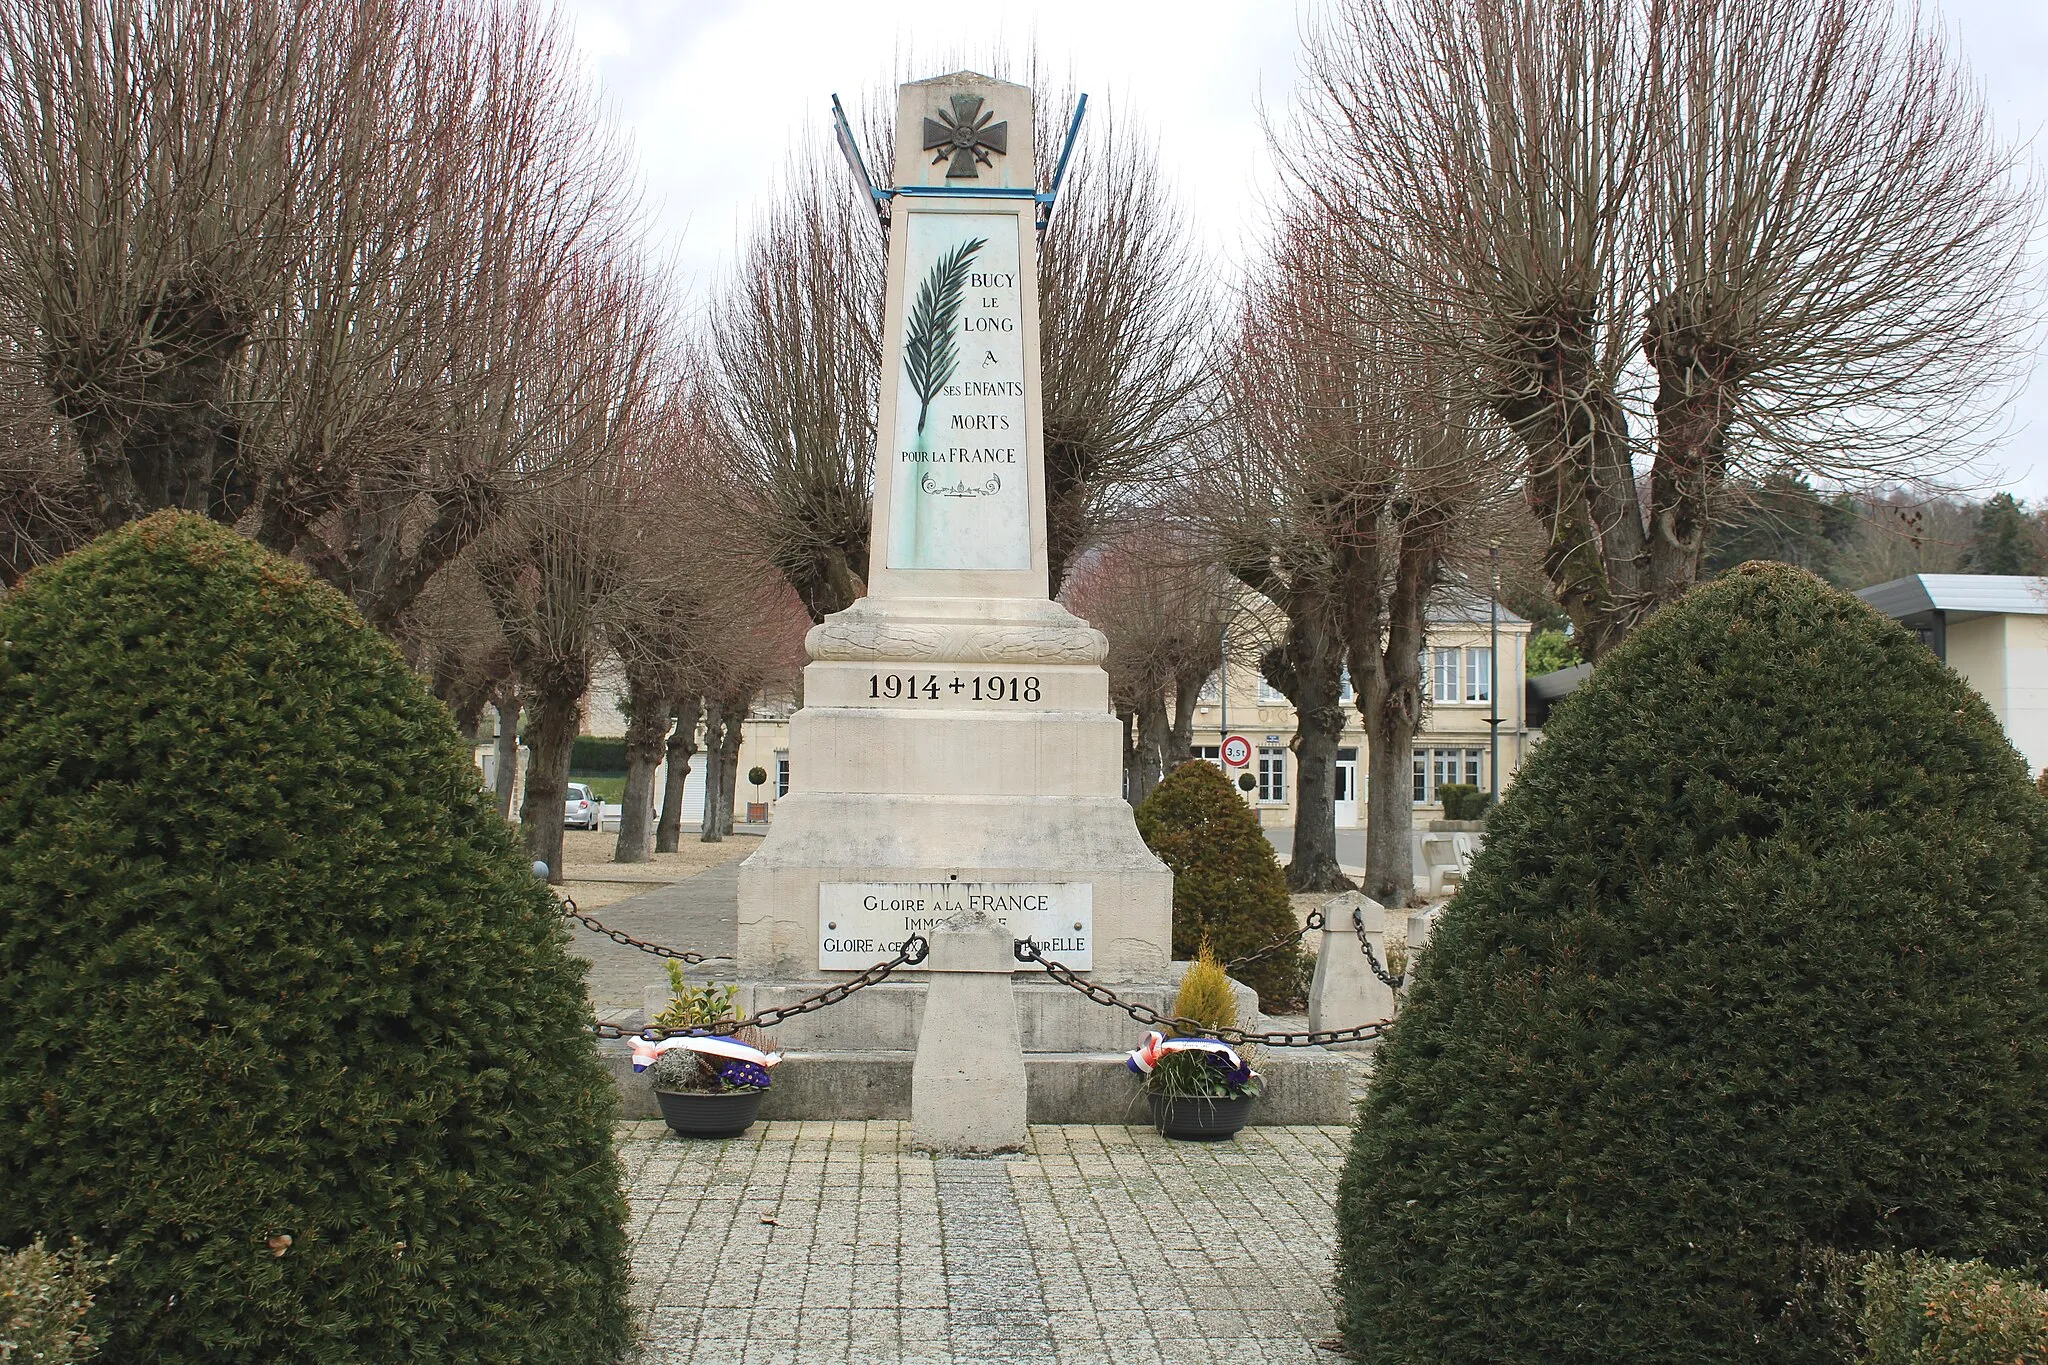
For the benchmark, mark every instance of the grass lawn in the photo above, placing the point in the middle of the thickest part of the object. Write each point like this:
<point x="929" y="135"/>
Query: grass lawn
<point x="604" y="786"/>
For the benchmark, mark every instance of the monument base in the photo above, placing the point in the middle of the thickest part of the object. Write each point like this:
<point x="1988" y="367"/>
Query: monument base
<point x="854" y="1060"/>
<point x="947" y="744"/>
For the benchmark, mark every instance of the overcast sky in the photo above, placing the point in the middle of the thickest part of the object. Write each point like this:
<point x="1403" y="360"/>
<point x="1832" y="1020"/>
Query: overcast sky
<point x="713" y="94"/>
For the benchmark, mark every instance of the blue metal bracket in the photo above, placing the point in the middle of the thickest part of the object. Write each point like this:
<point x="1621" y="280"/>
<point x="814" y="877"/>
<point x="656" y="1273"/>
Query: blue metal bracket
<point x="1059" y="175"/>
<point x="843" y="131"/>
<point x="1044" y="199"/>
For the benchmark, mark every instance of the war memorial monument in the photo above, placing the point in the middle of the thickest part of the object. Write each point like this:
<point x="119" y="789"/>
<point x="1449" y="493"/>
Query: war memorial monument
<point x="956" y="750"/>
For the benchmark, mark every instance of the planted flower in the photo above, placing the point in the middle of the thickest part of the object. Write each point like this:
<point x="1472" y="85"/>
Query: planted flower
<point x="712" y="1065"/>
<point x="1194" y="1068"/>
<point x="1199" y="1087"/>
<point x="708" y="1084"/>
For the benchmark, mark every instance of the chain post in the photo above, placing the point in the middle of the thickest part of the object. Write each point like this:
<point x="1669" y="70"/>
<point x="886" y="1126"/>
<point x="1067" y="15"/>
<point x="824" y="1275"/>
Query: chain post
<point x="1372" y="959"/>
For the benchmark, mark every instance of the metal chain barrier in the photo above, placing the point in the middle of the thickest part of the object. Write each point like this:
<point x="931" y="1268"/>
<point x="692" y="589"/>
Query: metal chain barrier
<point x="1372" y="959"/>
<point x="1280" y="944"/>
<point x="914" y="950"/>
<point x="621" y="937"/>
<point x="1027" y="950"/>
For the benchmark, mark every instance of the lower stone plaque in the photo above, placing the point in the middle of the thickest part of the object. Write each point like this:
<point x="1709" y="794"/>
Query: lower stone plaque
<point x="862" y="923"/>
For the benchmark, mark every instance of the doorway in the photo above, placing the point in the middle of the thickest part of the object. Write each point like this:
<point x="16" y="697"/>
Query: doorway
<point x="1347" y="789"/>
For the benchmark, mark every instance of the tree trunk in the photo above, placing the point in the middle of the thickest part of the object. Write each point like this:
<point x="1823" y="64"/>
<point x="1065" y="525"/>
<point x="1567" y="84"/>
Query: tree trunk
<point x="714" y="774"/>
<point x="646" y="737"/>
<point x="729" y="760"/>
<point x="1314" y="864"/>
<point x="1309" y="670"/>
<point x="1581" y="483"/>
<point x="682" y="745"/>
<point x="506" y="702"/>
<point x="1390" y="821"/>
<point x="1179" y="745"/>
<point x="550" y="736"/>
<point x="1128" y="718"/>
<point x="1389" y="680"/>
<point x="171" y="443"/>
<point x="1153" y="736"/>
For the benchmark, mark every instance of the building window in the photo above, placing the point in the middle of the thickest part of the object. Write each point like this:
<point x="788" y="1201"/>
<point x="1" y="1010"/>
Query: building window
<point x="1345" y="692"/>
<point x="1435" y="767"/>
<point x="1444" y="678"/>
<point x="1212" y="752"/>
<point x="1272" y="776"/>
<point x="1270" y="695"/>
<point x="781" y="773"/>
<point x="1212" y="690"/>
<point x="1478" y="675"/>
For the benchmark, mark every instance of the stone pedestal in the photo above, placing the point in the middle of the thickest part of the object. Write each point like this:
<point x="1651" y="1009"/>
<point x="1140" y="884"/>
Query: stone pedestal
<point x="1345" y="992"/>
<point x="967" y="1085"/>
<point x="950" y="791"/>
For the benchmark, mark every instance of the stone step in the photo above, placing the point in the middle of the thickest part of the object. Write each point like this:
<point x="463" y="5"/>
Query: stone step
<point x="886" y="1018"/>
<point x="1303" y="1086"/>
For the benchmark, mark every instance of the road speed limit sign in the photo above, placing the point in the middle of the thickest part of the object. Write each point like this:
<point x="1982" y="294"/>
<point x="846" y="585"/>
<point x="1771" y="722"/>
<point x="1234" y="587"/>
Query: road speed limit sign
<point x="1237" y="751"/>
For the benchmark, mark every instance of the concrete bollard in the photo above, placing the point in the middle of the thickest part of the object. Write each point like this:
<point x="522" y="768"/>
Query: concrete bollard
<point x="967" y="1087"/>
<point x="1421" y="924"/>
<point x="1345" y="992"/>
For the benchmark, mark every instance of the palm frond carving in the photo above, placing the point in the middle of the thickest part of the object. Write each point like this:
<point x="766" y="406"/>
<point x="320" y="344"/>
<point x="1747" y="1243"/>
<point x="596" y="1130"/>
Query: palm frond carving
<point x="930" y="356"/>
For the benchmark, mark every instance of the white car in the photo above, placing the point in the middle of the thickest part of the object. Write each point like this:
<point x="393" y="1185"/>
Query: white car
<point x="581" y="809"/>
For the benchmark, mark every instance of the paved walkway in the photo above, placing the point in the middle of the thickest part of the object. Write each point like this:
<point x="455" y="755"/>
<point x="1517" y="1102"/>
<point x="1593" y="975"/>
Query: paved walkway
<point x="700" y="913"/>
<point x="829" y="1242"/>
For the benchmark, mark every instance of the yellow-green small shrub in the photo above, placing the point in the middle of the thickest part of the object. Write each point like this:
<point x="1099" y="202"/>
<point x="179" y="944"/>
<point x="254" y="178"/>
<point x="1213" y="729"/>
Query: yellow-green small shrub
<point x="1922" y="1310"/>
<point x="44" y="1296"/>
<point x="1205" y="996"/>
<point x="1205" y="1000"/>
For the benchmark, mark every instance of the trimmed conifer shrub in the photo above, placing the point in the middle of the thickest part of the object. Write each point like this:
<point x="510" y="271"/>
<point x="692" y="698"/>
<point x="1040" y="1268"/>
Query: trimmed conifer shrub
<point x="286" y="1025"/>
<point x="1749" y="974"/>
<point x="1228" y="889"/>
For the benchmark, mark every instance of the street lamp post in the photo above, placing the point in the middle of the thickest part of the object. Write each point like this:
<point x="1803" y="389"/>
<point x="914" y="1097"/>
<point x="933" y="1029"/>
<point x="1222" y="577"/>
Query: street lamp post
<point x="1493" y="665"/>
<point x="1223" y="695"/>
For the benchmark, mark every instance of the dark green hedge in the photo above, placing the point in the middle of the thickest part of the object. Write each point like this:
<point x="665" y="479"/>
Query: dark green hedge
<point x="1751" y="968"/>
<point x="598" y="756"/>
<point x="1228" y="889"/>
<point x="285" y="1023"/>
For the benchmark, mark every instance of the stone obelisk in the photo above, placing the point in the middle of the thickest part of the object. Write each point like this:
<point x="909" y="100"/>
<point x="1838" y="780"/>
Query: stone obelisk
<point x="956" y="747"/>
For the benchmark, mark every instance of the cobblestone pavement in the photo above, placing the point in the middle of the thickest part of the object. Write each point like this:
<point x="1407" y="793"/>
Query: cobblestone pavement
<point x="831" y="1242"/>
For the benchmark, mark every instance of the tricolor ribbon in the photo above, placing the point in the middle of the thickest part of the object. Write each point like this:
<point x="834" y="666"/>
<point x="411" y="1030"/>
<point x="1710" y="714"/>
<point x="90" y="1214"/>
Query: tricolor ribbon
<point x="1156" y="1045"/>
<point x="645" y="1050"/>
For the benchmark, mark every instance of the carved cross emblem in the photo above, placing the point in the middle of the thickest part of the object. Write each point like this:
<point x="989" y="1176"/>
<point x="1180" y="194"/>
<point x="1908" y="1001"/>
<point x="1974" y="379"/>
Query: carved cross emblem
<point x="966" y="136"/>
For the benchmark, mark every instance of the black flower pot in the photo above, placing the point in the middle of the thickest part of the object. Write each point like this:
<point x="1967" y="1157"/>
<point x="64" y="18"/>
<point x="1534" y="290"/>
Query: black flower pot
<point x="727" y="1114"/>
<point x="1199" y="1118"/>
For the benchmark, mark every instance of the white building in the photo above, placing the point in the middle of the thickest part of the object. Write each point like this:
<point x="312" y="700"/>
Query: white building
<point x="1992" y="629"/>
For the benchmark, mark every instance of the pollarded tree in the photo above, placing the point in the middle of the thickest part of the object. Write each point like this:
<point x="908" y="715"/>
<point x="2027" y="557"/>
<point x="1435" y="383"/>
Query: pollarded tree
<point x="1126" y="329"/>
<point x="294" y="262"/>
<point x="1164" y="612"/>
<point x="1700" y="238"/>
<point x="1342" y="489"/>
<point x="1750" y="969"/>
<point x="550" y="565"/>
<point x="335" y="1094"/>
<point x="797" y="339"/>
